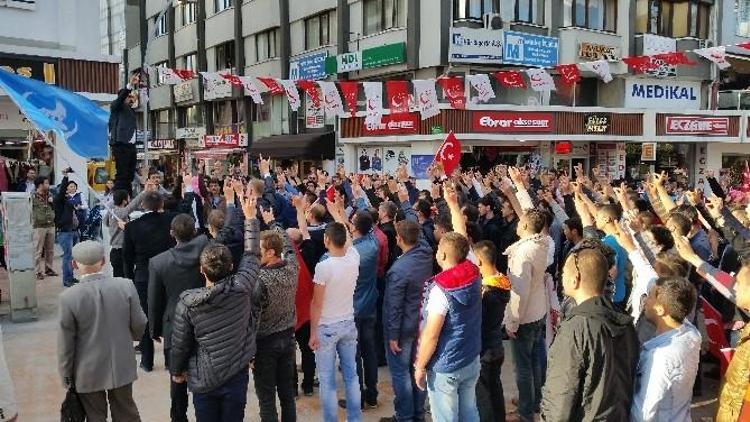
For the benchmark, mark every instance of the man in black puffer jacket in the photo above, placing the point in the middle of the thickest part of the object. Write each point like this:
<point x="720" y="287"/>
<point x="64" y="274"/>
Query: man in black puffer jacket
<point x="213" y="333"/>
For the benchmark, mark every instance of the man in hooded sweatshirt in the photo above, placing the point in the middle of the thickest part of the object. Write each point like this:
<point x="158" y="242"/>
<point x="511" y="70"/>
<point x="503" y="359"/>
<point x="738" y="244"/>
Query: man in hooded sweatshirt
<point x="593" y="358"/>
<point x="171" y="273"/>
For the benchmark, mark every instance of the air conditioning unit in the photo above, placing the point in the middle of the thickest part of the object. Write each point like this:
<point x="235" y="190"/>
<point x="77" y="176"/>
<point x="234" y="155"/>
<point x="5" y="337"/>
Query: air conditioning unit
<point x="492" y="21"/>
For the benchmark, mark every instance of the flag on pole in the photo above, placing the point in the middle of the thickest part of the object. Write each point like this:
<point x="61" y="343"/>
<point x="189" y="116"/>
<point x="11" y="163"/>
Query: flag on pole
<point x="540" y="80"/>
<point x="640" y="64"/>
<point x="398" y="96"/>
<point x="675" y="58"/>
<point x="291" y="93"/>
<point x="311" y="89"/>
<point x="449" y="154"/>
<point x="510" y="79"/>
<point x="350" y="90"/>
<point x="74" y="119"/>
<point x="331" y="99"/>
<point x="600" y="68"/>
<point x="569" y="73"/>
<point x="482" y="85"/>
<point x="426" y="96"/>
<point x="717" y="55"/>
<point x="453" y="90"/>
<point x="251" y="89"/>
<point x="374" y="101"/>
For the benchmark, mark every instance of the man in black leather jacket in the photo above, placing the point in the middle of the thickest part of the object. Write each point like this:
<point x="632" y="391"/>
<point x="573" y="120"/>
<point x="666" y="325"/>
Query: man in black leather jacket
<point x="122" y="127"/>
<point x="214" y="328"/>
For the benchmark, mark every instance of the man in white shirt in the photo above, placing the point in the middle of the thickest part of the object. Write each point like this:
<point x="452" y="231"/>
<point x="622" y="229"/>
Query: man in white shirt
<point x="332" y="328"/>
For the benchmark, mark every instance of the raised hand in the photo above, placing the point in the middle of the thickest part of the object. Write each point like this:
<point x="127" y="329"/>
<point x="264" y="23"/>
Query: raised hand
<point x="264" y="165"/>
<point x="250" y="206"/>
<point x="660" y="179"/>
<point x="268" y="216"/>
<point x="298" y="202"/>
<point x="515" y="176"/>
<point x="715" y="206"/>
<point x="451" y="197"/>
<point x="683" y="248"/>
<point x="435" y="190"/>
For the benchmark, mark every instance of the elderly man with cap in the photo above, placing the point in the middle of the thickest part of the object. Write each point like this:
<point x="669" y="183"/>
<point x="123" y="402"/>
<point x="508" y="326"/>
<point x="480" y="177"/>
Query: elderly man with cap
<point x="99" y="319"/>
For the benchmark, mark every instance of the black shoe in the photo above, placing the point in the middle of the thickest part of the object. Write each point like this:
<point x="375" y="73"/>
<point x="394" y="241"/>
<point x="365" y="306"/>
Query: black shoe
<point x="369" y="405"/>
<point x="145" y="368"/>
<point x="137" y="349"/>
<point x="307" y="391"/>
<point x="388" y="419"/>
<point x="342" y="404"/>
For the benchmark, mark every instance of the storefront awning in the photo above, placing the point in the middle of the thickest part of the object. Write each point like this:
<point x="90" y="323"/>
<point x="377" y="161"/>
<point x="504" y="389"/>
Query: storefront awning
<point x="306" y="145"/>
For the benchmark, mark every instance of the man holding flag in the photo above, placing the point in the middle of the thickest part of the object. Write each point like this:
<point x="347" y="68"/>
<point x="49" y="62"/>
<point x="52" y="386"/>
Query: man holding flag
<point x="122" y="128"/>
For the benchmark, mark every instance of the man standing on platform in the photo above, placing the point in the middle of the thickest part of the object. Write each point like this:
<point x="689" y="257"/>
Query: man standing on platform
<point x="122" y="128"/>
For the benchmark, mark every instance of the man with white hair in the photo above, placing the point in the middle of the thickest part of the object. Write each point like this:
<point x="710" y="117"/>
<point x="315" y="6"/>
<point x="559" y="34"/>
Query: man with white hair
<point x="99" y="319"/>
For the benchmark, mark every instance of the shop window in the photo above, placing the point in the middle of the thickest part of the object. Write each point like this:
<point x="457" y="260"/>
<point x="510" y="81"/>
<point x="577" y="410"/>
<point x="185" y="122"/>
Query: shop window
<point x="318" y="30"/>
<point x="220" y="5"/>
<point x="160" y="25"/>
<point x="266" y="45"/>
<point x="380" y="15"/>
<point x="161" y="124"/>
<point x="262" y="112"/>
<point x="188" y="13"/>
<point x="591" y="14"/>
<point x="229" y="117"/>
<point x="190" y="116"/>
<point x="675" y="19"/>
<point x="474" y="9"/>
<point x="225" y="55"/>
<point x="189" y="62"/>
<point x="160" y="75"/>
<point x="529" y="11"/>
<point x="742" y="14"/>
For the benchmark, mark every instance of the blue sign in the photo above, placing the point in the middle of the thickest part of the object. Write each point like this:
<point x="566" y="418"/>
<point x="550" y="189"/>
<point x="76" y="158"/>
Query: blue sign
<point x="420" y="164"/>
<point x="310" y="68"/>
<point x="530" y="50"/>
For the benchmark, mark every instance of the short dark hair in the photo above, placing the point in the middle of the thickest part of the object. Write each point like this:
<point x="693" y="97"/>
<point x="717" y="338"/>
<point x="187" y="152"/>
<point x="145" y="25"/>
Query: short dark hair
<point x="423" y="207"/>
<point x="689" y="211"/>
<point x="487" y="201"/>
<point x="458" y="243"/>
<point x="486" y="251"/>
<point x="612" y="211"/>
<point x="574" y="224"/>
<point x="683" y="223"/>
<point x="662" y="236"/>
<point x="216" y="262"/>
<point x="271" y="239"/>
<point x="336" y="233"/>
<point x="183" y="227"/>
<point x="40" y="181"/>
<point x="408" y="231"/>
<point x="443" y="220"/>
<point x="535" y="220"/>
<point x="119" y="197"/>
<point x="668" y="264"/>
<point x="389" y="208"/>
<point x="363" y="222"/>
<point x="593" y="268"/>
<point x="677" y="295"/>
<point x="216" y="219"/>
<point x="471" y="213"/>
<point x="152" y="201"/>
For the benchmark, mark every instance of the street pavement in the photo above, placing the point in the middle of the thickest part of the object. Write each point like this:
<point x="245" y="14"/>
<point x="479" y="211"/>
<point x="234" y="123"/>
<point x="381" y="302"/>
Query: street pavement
<point x="30" y="350"/>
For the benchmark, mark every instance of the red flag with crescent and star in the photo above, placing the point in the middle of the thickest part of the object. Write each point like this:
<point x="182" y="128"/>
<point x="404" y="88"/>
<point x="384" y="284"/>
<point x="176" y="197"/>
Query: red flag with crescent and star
<point x="510" y="79"/>
<point x="349" y="91"/>
<point x="273" y="86"/>
<point x="569" y="73"/>
<point x="449" y="154"/>
<point x="398" y="96"/>
<point x="453" y="90"/>
<point x="311" y="89"/>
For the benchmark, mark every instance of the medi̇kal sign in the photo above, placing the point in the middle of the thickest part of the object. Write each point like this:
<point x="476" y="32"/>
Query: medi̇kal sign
<point x="662" y="94"/>
<point x="393" y="124"/>
<point x="512" y="122"/>
<point x="697" y="125"/>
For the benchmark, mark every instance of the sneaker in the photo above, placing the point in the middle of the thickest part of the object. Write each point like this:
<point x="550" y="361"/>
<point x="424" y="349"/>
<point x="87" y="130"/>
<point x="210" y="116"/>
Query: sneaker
<point x="342" y="404"/>
<point x="146" y="368"/>
<point x="51" y="273"/>
<point x="39" y="276"/>
<point x="307" y="391"/>
<point x="369" y="406"/>
<point x="137" y="349"/>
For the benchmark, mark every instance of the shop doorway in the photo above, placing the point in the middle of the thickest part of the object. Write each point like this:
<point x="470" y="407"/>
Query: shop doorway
<point x="567" y="164"/>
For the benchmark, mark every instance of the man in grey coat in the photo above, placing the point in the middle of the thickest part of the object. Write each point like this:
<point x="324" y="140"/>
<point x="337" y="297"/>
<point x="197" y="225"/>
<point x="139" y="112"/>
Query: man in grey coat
<point x="99" y="319"/>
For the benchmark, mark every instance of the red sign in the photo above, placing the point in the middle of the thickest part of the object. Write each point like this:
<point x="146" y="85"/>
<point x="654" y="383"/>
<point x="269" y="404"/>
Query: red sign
<point x="696" y="125"/>
<point x="563" y="148"/>
<point x="230" y="140"/>
<point x="512" y="122"/>
<point x="399" y="124"/>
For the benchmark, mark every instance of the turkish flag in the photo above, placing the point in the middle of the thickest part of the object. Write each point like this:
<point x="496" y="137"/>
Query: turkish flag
<point x="398" y="96"/>
<point x="274" y="87"/>
<point x="350" y="89"/>
<point x="745" y="45"/>
<point x="510" y="79"/>
<point x="640" y="64"/>
<point x="675" y="58"/>
<point x="569" y="73"/>
<point x="453" y="90"/>
<point x="304" y="291"/>
<point x="449" y="154"/>
<point x="311" y="89"/>
<point x="185" y="74"/>
<point x="717" y="340"/>
<point x="232" y="79"/>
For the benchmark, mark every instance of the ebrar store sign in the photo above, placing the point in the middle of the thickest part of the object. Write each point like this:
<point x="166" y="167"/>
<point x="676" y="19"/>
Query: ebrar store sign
<point x="394" y="124"/>
<point x="512" y="122"/>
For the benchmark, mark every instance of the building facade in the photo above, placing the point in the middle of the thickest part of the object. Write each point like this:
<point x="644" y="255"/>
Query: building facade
<point x="592" y="123"/>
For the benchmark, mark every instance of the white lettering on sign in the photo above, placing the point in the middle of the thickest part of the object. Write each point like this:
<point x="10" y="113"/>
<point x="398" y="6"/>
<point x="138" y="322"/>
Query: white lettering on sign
<point x="487" y="121"/>
<point x="391" y="125"/>
<point x="692" y="125"/>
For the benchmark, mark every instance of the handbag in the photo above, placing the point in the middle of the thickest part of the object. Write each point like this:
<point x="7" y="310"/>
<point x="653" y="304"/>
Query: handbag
<point x="72" y="408"/>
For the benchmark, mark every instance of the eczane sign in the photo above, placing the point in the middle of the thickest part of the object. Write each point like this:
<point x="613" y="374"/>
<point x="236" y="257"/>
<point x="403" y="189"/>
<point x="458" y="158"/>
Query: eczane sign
<point x="697" y="125"/>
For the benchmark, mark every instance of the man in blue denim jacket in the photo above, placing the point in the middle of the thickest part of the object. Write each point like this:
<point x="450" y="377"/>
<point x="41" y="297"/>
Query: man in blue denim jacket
<point x="669" y="362"/>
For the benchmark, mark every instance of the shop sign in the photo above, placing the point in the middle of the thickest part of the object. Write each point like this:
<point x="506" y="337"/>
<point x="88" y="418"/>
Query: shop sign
<point x="190" y="132"/>
<point x="662" y="94"/>
<point x="648" y="151"/>
<point x="194" y="143"/>
<point x="398" y="124"/>
<point x="311" y="67"/>
<point x="530" y="50"/>
<point x="349" y="62"/>
<point x="436" y="130"/>
<point x="563" y="148"/>
<point x="596" y="123"/>
<point x="368" y="58"/>
<point x="183" y="91"/>
<point x="154" y="144"/>
<point x="139" y="135"/>
<point x="476" y="45"/>
<point x="512" y="122"/>
<point x="696" y="125"/>
<point x="229" y="140"/>
<point x="592" y="52"/>
<point x="41" y="69"/>
<point x="314" y="115"/>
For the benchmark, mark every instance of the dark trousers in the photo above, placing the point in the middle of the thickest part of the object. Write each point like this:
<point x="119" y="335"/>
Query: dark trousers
<point x="121" y="405"/>
<point x="147" y="343"/>
<point x="308" y="357"/>
<point x="115" y="258"/>
<point x="367" y="359"/>
<point x="490" y="399"/>
<point x="178" y="394"/>
<point x="225" y="403"/>
<point x="379" y="336"/>
<point x="125" y="157"/>
<point x="273" y="372"/>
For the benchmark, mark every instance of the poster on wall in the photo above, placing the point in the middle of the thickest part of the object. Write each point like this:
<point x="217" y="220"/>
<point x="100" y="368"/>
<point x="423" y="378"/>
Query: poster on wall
<point x="610" y="158"/>
<point x="420" y="164"/>
<point x="382" y="159"/>
<point x="314" y="114"/>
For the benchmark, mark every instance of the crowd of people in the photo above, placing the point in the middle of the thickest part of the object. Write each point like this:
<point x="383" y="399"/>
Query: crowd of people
<point x="597" y="287"/>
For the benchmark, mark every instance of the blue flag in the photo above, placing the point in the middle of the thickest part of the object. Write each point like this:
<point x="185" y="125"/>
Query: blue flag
<point x="73" y="118"/>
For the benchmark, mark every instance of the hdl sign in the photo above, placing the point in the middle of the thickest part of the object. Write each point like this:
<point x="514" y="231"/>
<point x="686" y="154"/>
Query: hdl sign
<point x="660" y="94"/>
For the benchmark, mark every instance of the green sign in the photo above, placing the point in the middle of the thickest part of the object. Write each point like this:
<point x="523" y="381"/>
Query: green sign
<point x="385" y="55"/>
<point x="436" y="130"/>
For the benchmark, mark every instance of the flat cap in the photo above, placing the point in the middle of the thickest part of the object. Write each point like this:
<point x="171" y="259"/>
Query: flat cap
<point x="88" y="252"/>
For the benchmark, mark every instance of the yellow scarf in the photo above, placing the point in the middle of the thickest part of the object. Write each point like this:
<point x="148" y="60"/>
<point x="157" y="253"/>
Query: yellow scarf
<point x="500" y="281"/>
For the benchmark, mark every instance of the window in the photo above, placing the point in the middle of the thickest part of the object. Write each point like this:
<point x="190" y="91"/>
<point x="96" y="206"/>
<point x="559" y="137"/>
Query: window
<point x="380" y="15"/>
<point x="592" y="14"/>
<point x="160" y="25"/>
<point x="675" y="19"/>
<point x="220" y="5"/>
<point x="262" y="112"/>
<point x="188" y="13"/>
<point x="318" y="30"/>
<point x="225" y="55"/>
<point x="162" y="127"/>
<point x="530" y="11"/>
<point x="474" y="9"/>
<point x="742" y="13"/>
<point x="189" y="62"/>
<point x="229" y="117"/>
<point x="190" y="116"/>
<point x="266" y="45"/>
<point x="159" y="74"/>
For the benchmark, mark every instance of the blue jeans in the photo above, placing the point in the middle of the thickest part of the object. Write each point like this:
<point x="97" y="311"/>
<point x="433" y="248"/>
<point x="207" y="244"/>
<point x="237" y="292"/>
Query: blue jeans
<point x="453" y="396"/>
<point x="408" y="400"/>
<point x="225" y="403"/>
<point x="526" y="356"/>
<point x="338" y="338"/>
<point x="67" y="240"/>
<point x="367" y="359"/>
